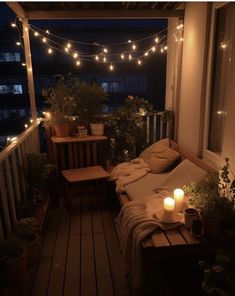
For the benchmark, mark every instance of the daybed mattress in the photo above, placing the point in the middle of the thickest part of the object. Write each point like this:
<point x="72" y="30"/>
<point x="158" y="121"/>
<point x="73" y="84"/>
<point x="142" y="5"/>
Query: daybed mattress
<point x="144" y="186"/>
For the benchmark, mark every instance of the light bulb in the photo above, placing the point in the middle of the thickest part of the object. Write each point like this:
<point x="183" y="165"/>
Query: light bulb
<point x="31" y="120"/>
<point x="105" y="50"/>
<point x="223" y="45"/>
<point x="69" y="45"/>
<point x="180" y="26"/>
<point x="44" y="40"/>
<point x="156" y="39"/>
<point x="96" y="57"/>
<point x="104" y="59"/>
<point x="129" y="41"/>
<point x="122" y="56"/>
<point x="111" y="67"/>
<point x="146" y="53"/>
<point x="181" y="39"/>
<point x="66" y="49"/>
<point x="139" y="62"/>
<point x="50" y="51"/>
<point x="134" y="47"/>
<point x="47" y="31"/>
<point x="36" y="34"/>
<point x="26" y="29"/>
<point x="26" y="126"/>
<point x="165" y="47"/>
<point x="153" y="49"/>
<point x="130" y="57"/>
<point x="13" y="25"/>
<point x="162" y="50"/>
<point x="18" y="43"/>
<point x="23" y="64"/>
<point x="78" y="63"/>
<point x="75" y="55"/>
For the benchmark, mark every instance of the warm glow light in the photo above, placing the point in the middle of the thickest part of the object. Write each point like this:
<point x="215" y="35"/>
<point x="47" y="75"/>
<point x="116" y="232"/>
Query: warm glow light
<point x="162" y="50"/>
<point x="26" y="126"/>
<point x="36" y="34"/>
<point x="69" y="45"/>
<point x="122" y="56"/>
<point x="18" y="43"/>
<point x="66" y="49"/>
<point x="181" y="39"/>
<point x="104" y="59"/>
<point x="180" y="26"/>
<point x="13" y="25"/>
<point x="31" y="120"/>
<point x="156" y="39"/>
<point x="130" y="57"/>
<point x="139" y="62"/>
<point x="134" y="47"/>
<point x="44" y="40"/>
<point x="14" y="139"/>
<point x="105" y="50"/>
<point x="146" y="53"/>
<point x="111" y="67"/>
<point x="129" y="41"/>
<point x="179" y="199"/>
<point x="26" y="29"/>
<point x="223" y="45"/>
<point x="78" y="63"/>
<point x="47" y="31"/>
<point x="153" y="49"/>
<point x="50" y="51"/>
<point x="23" y="64"/>
<point x="96" y="57"/>
<point x="165" y="47"/>
<point x="75" y="55"/>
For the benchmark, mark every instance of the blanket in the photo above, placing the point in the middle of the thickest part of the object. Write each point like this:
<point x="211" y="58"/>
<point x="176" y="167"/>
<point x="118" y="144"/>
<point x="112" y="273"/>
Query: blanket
<point x="134" y="223"/>
<point x="128" y="172"/>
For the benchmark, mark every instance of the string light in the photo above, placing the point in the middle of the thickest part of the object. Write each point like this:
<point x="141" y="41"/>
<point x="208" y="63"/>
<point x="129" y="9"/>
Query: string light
<point x="180" y="26"/>
<point x="66" y="49"/>
<point x="162" y="50"/>
<point x="104" y="59"/>
<point x="122" y="56"/>
<point x="156" y="39"/>
<point x="97" y="58"/>
<point x="47" y="31"/>
<point x="44" y="40"/>
<point x="105" y="50"/>
<point x="31" y="120"/>
<point x="26" y="126"/>
<point x="146" y="53"/>
<point x="23" y="64"/>
<point x="50" y="50"/>
<point x="153" y="49"/>
<point x="18" y="43"/>
<point x="181" y="39"/>
<point x="134" y="47"/>
<point x="139" y="62"/>
<point x="75" y="55"/>
<point x="78" y="63"/>
<point x="36" y="34"/>
<point x="165" y="47"/>
<point x="130" y="57"/>
<point x="129" y="41"/>
<point x="13" y="25"/>
<point x="111" y="67"/>
<point x="69" y="45"/>
<point x="223" y="45"/>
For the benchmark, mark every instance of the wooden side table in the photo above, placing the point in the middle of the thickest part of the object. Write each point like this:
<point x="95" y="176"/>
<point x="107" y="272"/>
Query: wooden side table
<point x="92" y="173"/>
<point x="77" y="152"/>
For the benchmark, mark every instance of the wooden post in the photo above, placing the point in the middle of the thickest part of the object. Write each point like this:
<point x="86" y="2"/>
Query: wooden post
<point x="28" y="60"/>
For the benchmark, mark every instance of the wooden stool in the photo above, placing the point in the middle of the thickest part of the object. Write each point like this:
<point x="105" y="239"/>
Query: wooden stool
<point x="83" y="174"/>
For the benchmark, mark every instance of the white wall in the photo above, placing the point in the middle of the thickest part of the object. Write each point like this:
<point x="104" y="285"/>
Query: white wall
<point x="191" y="100"/>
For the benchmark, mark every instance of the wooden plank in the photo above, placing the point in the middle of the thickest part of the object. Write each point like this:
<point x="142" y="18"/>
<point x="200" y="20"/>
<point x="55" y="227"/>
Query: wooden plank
<point x="71" y="162"/>
<point x="76" y="156"/>
<point x="88" y="278"/>
<point x="77" y="139"/>
<point x="97" y="223"/>
<point x="15" y="176"/>
<point x="81" y="154"/>
<point x="85" y="174"/>
<point x="175" y="237"/>
<point x="41" y="279"/>
<point x="159" y="239"/>
<point x="188" y="236"/>
<point x="86" y="223"/>
<point x="104" y="280"/>
<point x="59" y="262"/>
<point x="94" y="153"/>
<point x="17" y="8"/>
<point x="72" y="274"/>
<point x="88" y="154"/>
<point x="120" y="283"/>
<point x="5" y="208"/>
<point x="161" y="127"/>
<point x="11" y="193"/>
<point x="103" y="14"/>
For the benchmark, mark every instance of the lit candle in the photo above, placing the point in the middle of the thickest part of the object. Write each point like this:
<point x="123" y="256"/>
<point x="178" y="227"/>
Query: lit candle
<point x="169" y="209"/>
<point x="179" y="199"/>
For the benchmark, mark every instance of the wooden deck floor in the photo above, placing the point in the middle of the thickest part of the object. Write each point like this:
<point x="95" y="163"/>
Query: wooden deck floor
<point x="80" y="252"/>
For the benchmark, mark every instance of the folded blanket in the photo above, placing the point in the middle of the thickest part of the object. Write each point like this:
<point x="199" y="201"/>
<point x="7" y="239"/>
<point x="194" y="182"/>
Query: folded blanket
<point x="129" y="172"/>
<point x="134" y="223"/>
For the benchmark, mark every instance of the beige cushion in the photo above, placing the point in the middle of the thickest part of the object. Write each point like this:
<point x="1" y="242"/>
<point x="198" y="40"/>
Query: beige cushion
<point x="146" y="152"/>
<point x="183" y="174"/>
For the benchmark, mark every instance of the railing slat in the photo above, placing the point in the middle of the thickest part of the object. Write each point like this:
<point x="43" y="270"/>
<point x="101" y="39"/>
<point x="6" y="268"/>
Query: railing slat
<point x="11" y="193"/>
<point x="4" y="202"/>
<point x="21" y="168"/>
<point x="15" y="176"/>
<point x="154" y="127"/>
<point x="148" y="128"/>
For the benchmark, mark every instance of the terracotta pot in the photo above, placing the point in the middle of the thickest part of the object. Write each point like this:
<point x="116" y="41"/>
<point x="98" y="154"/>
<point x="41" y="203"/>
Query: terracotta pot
<point x="62" y="130"/>
<point x="211" y="226"/>
<point x="97" y="129"/>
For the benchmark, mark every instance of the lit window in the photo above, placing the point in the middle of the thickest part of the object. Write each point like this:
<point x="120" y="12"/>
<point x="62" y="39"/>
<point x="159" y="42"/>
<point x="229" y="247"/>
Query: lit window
<point x="110" y="86"/>
<point x="9" y="57"/>
<point x="15" y="89"/>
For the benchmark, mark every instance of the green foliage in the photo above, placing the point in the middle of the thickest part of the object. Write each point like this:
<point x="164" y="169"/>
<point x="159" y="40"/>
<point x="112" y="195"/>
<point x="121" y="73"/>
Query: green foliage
<point x="37" y="173"/>
<point x="126" y="130"/>
<point x="62" y="96"/>
<point x="214" y="196"/>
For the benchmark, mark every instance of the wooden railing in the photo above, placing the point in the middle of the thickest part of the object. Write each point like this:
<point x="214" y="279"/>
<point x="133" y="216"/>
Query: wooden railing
<point x="159" y="126"/>
<point x="12" y="178"/>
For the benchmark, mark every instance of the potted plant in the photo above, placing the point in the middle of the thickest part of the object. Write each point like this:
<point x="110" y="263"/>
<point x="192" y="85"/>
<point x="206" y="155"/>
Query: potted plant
<point x="90" y="106"/>
<point x="62" y="98"/>
<point x="214" y="197"/>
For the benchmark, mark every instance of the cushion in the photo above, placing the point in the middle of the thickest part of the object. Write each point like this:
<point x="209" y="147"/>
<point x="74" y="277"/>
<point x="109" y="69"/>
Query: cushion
<point x="145" y="153"/>
<point x="183" y="174"/>
<point x="144" y="186"/>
